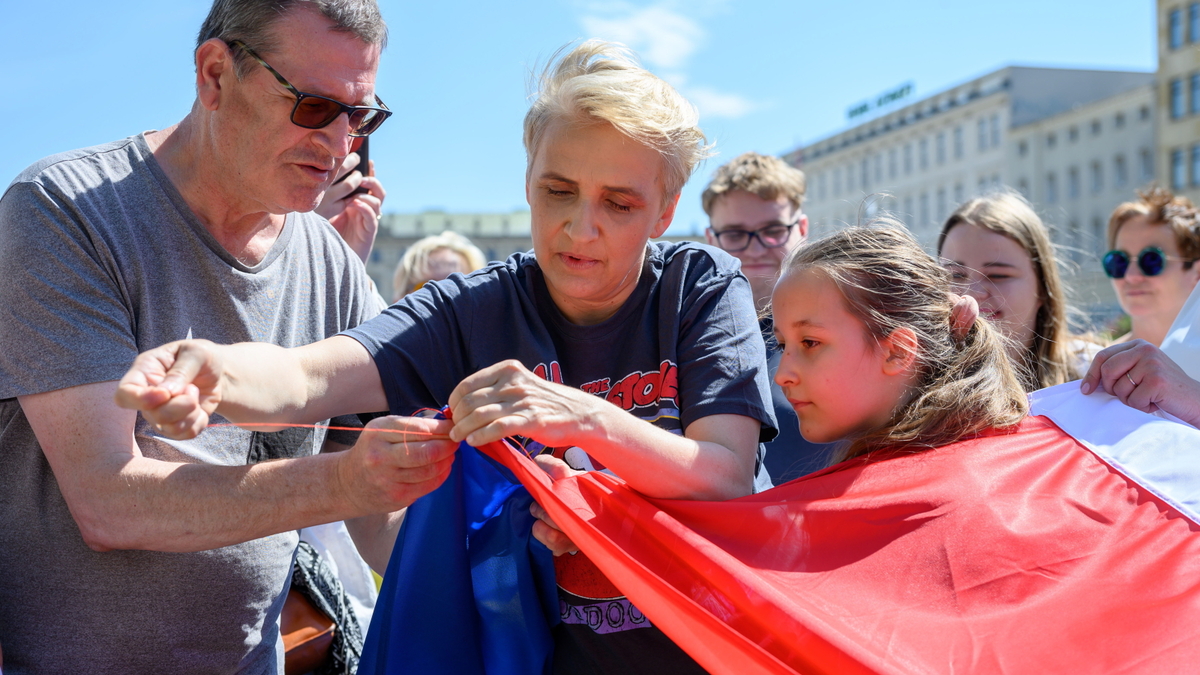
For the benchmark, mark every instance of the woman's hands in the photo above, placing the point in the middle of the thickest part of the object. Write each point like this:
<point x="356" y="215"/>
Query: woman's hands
<point x="1141" y="376"/>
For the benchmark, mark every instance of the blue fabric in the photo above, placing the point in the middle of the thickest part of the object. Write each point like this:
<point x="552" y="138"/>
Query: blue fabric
<point x="468" y="589"/>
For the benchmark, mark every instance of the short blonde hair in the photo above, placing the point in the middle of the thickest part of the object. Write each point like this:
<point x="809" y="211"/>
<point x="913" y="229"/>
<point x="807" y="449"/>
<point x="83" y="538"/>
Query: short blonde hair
<point x="764" y="176"/>
<point x="1050" y="359"/>
<point x="600" y="81"/>
<point x="412" y="268"/>
<point x="1161" y="207"/>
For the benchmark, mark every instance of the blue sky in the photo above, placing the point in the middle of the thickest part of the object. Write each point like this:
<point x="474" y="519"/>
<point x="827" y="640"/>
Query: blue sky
<point x="766" y="75"/>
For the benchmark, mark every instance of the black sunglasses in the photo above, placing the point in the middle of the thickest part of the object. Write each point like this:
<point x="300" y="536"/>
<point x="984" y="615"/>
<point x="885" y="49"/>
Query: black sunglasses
<point x="771" y="236"/>
<point x="1152" y="261"/>
<point x="315" y="112"/>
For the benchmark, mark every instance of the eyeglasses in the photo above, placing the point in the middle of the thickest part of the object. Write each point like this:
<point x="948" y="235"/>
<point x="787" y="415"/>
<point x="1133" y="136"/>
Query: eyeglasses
<point x="1152" y="261"/>
<point x="773" y="235"/>
<point x="315" y="112"/>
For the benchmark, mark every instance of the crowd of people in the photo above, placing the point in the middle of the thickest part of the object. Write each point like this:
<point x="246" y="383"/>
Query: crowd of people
<point x="155" y="534"/>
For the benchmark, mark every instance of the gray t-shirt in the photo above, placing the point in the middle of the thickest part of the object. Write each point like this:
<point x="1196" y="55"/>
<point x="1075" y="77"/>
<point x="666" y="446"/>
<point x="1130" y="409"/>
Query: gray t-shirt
<point x="103" y="259"/>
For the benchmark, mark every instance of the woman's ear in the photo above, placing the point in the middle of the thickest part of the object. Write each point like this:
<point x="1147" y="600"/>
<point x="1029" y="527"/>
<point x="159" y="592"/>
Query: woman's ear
<point x="899" y="351"/>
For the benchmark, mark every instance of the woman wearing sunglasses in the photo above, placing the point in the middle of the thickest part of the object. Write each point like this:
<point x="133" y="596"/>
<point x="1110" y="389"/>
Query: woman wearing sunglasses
<point x="999" y="252"/>
<point x="1155" y="243"/>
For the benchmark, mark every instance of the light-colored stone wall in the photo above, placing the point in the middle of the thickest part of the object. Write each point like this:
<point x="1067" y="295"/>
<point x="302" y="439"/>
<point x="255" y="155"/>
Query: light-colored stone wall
<point x="1178" y="134"/>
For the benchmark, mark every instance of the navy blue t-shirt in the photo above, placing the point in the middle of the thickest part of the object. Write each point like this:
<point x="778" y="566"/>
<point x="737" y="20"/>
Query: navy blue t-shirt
<point x="685" y="345"/>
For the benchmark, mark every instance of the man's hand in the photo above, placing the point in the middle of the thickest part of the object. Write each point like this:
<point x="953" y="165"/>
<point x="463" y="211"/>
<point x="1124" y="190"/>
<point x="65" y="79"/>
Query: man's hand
<point x="355" y="217"/>
<point x="545" y="530"/>
<point x="176" y="387"/>
<point x="506" y="399"/>
<point x="395" y="461"/>
<point x="1141" y="376"/>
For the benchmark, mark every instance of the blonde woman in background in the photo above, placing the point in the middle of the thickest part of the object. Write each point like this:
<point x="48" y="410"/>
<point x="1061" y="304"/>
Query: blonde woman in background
<point x="999" y="252"/>
<point x="434" y="258"/>
<point x="1155" y="242"/>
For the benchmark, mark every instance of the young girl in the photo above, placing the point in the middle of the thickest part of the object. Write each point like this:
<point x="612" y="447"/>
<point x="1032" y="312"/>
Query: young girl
<point x="877" y="351"/>
<point x="999" y="252"/>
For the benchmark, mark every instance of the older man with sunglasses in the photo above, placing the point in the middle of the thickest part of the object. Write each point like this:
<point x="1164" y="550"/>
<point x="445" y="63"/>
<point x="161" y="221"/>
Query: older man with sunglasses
<point x="123" y="551"/>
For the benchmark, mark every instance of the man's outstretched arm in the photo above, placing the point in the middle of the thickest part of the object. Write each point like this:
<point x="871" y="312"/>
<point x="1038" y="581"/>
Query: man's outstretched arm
<point x="123" y="500"/>
<point x="177" y="386"/>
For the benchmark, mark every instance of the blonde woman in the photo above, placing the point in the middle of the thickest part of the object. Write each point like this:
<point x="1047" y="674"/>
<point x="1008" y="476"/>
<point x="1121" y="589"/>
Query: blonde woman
<point x="604" y="350"/>
<point x="999" y="252"/>
<point x="434" y="258"/>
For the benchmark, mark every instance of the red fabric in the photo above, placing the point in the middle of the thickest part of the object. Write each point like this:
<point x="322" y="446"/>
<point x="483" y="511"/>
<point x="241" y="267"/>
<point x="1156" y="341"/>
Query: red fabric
<point x="1012" y="553"/>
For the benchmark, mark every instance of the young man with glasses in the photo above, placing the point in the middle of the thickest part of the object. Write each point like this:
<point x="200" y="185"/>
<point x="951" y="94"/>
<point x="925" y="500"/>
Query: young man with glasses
<point x="122" y="550"/>
<point x="753" y="205"/>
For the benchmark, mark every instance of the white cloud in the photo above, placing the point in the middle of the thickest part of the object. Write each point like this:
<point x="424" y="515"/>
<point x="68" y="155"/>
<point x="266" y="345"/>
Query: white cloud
<point x="666" y="38"/>
<point x="713" y="103"/>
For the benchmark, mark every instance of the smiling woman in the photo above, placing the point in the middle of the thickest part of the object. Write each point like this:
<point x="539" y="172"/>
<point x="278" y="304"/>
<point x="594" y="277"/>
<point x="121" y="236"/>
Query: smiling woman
<point x="998" y="252"/>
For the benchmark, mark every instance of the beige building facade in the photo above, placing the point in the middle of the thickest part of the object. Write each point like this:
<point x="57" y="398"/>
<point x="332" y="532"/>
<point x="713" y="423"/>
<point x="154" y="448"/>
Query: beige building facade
<point x="1178" y="96"/>
<point x="1075" y="142"/>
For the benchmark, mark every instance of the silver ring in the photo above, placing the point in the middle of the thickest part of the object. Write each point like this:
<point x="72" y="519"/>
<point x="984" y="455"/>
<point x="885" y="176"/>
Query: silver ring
<point x="1130" y="380"/>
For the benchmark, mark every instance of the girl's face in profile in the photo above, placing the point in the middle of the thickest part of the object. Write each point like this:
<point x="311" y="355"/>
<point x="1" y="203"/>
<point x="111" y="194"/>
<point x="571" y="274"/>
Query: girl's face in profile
<point x="998" y="272"/>
<point x="838" y="379"/>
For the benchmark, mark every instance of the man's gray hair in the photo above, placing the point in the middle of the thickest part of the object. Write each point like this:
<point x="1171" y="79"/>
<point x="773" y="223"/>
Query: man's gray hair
<point x="252" y="22"/>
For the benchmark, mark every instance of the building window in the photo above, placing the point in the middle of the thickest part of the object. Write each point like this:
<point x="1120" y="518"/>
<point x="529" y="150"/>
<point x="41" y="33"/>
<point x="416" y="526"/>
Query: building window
<point x="864" y="173"/>
<point x="958" y="194"/>
<point x="1119" y="120"/>
<point x="981" y="188"/>
<point x="958" y="142"/>
<point x="1144" y="113"/>
<point x="850" y="178"/>
<point x="1196" y="164"/>
<point x="907" y="158"/>
<point x="1073" y="183"/>
<point x="908" y="208"/>
<point x="1051" y="188"/>
<point x="1096" y="127"/>
<point x="1147" y="162"/>
<point x="837" y="181"/>
<point x="892" y="163"/>
<point x="1051" y="140"/>
<point x="1098" y="243"/>
<point x="1022" y="148"/>
<point x="1023" y="187"/>
<point x="879" y="167"/>
<point x="941" y="147"/>
<point x="1178" y="170"/>
<point x="1194" y="22"/>
<point x="995" y="131"/>
<point x="1176" y="98"/>
<point x="1194" y="93"/>
<point x="1175" y="29"/>
<point x="923" y="153"/>
<point x="941" y="204"/>
<point x="924" y="216"/>
<point x="982" y="135"/>
<point x="1097" y="178"/>
<point x="996" y="181"/>
<point x="1073" y="134"/>
<point x="1120" y="172"/>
